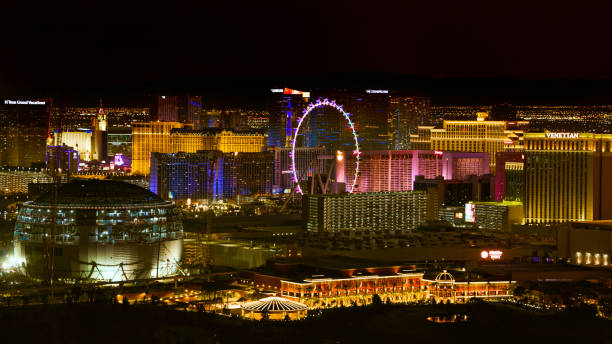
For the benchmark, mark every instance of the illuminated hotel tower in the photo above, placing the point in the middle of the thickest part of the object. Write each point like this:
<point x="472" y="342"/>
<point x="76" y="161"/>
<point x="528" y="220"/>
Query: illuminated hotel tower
<point x="174" y="137"/>
<point x="150" y="137"/>
<point x="166" y="108"/>
<point x="100" y="136"/>
<point x="467" y="136"/>
<point x="285" y="107"/>
<point x="408" y="114"/>
<point x="396" y="170"/>
<point x="567" y="177"/>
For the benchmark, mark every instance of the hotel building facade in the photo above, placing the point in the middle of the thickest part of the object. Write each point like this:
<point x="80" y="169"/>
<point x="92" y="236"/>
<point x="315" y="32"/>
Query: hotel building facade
<point x="403" y="287"/>
<point x="148" y="137"/>
<point x="377" y="211"/>
<point x="17" y="180"/>
<point x="396" y="170"/>
<point x="211" y="175"/>
<point x="174" y="137"/>
<point x="349" y="282"/>
<point x="468" y="136"/>
<point x="567" y="177"/>
<point x="306" y="159"/>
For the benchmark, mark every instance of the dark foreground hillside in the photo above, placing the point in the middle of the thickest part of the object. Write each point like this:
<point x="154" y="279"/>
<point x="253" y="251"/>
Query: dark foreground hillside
<point x="99" y="323"/>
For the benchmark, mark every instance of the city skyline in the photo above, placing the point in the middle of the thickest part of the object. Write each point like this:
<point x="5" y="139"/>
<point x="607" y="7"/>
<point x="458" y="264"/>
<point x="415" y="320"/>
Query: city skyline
<point x="305" y="172"/>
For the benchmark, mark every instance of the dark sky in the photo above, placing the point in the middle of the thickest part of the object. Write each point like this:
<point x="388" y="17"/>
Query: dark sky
<point x="98" y="45"/>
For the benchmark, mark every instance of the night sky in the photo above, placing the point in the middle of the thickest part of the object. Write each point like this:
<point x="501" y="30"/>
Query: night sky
<point x="98" y="47"/>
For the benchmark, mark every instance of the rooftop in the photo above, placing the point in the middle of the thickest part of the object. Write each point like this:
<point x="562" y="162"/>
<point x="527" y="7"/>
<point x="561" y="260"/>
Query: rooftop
<point x="274" y="304"/>
<point x="100" y="193"/>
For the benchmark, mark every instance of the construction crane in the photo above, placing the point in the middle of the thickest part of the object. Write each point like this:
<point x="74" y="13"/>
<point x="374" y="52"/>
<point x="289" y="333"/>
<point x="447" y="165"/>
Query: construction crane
<point x="49" y="237"/>
<point x="210" y="214"/>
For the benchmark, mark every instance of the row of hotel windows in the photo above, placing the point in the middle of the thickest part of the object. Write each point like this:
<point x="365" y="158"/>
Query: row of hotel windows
<point x="591" y="259"/>
<point x="564" y="145"/>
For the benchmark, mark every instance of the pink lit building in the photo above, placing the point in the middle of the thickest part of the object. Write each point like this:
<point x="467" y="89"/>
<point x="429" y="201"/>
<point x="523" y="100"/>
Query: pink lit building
<point x="396" y="170"/>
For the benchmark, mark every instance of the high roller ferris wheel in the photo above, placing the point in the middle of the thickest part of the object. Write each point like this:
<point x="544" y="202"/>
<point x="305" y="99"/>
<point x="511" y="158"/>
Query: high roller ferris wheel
<point x="356" y="152"/>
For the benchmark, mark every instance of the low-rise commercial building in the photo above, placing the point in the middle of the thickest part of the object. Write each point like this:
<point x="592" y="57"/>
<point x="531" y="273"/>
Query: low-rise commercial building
<point x="346" y="282"/>
<point x="586" y="243"/>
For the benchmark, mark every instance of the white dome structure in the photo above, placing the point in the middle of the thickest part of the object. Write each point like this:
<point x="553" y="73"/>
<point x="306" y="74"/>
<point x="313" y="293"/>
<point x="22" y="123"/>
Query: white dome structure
<point x="274" y="308"/>
<point x="445" y="277"/>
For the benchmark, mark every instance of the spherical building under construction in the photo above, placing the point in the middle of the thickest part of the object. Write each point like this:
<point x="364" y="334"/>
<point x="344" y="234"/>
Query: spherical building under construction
<point x="104" y="230"/>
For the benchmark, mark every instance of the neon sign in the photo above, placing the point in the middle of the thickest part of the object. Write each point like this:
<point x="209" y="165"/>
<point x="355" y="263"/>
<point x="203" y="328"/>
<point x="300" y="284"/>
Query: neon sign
<point x="24" y="102"/>
<point x="493" y="254"/>
<point x="119" y="160"/>
<point x="377" y="91"/>
<point x="438" y="153"/>
<point x="561" y="135"/>
<point x="290" y="91"/>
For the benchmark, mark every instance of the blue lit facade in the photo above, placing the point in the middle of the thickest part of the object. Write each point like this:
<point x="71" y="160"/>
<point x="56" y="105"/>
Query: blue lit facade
<point x="284" y="111"/>
<point x="182" y="176"/>
<point x="211" y="175"/>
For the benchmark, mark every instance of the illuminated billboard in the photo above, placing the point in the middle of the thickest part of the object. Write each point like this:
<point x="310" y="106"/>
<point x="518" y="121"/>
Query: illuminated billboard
<point x="492" y="255"/>
<point x="561" y="135"/>
<point x="469" y="213"/>
<point x="24" y="102"/>
<point x="290" y="91"/>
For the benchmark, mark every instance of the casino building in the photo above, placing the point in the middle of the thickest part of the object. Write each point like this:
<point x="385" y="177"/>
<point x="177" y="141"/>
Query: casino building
<point x="468" y="136"/>
<point x="174" y="137"/>
<point x="326" y="282"/>
<point x="396" y="170"/>
<point x="567" y="177"/>
<point x="104" y="230"/>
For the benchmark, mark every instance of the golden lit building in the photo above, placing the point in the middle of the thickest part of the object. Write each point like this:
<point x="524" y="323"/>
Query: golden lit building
<point x="567" y="177"/>
<point x="402" y="287"/>
<point x="174" y="137"/>
<point x="334" y="281"/>
<point x="190" y="141"/>
<point x="186" y="140"/>
<point x="468" y="136"/>
<point x="240" y="141"/>
<point x="150" y="137"/>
